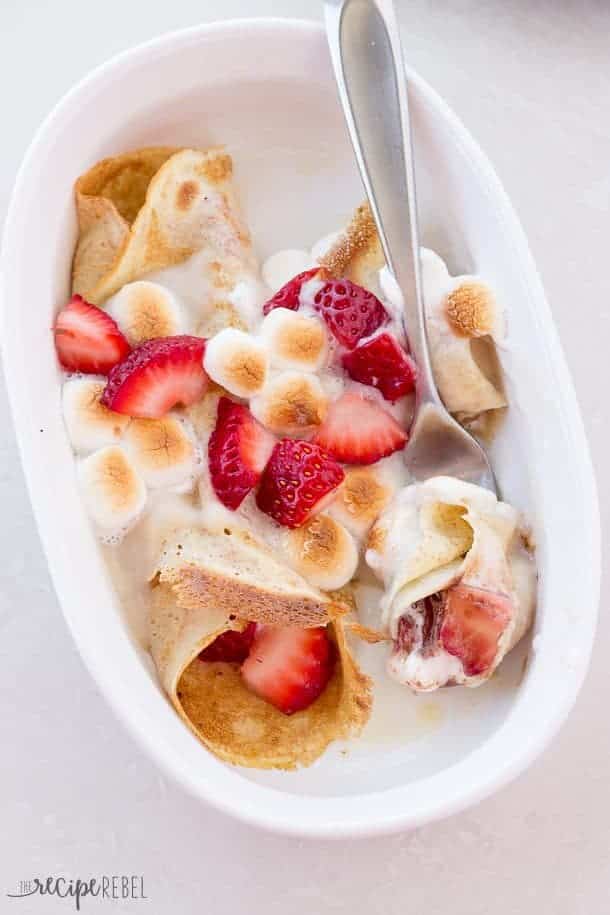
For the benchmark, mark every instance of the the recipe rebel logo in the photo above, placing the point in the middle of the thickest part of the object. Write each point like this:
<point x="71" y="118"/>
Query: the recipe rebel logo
<point x="77" y="889"/>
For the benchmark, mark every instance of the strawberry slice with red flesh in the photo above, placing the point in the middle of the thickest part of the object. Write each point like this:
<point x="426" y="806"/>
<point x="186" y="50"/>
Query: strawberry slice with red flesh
<point x="350" y="311"/>
<point x="289" y="667"/>
<point x="382" y="363"/>
<point x="473" y="621"/>
<point x="298" y="480"/>
<point x="289" y="295"/>
<point x="357" y="431"/>
<point x="238" y="451"/>
<point x="231" y="647"/>
<point x="87" y="339"/>
<point x="156" y="376"/>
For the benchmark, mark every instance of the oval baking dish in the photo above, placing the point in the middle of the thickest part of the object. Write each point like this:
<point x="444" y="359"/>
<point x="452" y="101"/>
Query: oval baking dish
<point x="265" y="88"/>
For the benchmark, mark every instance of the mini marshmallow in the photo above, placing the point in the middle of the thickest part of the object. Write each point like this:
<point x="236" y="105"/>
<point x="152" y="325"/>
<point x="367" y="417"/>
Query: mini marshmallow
<point x="163" y="451"/>
<point x="113" y="491"/>
<point x="361" y="499"/>
<point x="144" y="310"/>
<point x="292" y="403"/>
<point x="236" y="361"/>
<point x="295" y="341"/>
<point x="89" y="423"/>
<point x="323" y="552"/>
<point x="366" y="492"/>
<point x="471" y="310"/>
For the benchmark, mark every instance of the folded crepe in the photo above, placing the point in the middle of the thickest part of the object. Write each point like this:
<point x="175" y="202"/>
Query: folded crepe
<point x="459" y="582"/>
<point x="209" y="582"/>
<point x="152" y="209"/>
<point x="463" y="318"/>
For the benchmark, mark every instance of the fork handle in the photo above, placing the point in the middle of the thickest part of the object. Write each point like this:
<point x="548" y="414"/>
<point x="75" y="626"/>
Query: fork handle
<point x="366" y="53"/>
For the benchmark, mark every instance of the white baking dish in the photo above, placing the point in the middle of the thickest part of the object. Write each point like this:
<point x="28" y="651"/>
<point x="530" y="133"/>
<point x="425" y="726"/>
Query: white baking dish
<point x="264" y="87"/>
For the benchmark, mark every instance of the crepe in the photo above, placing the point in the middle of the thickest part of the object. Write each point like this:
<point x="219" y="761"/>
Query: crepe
<point x="214" y="570"/>
<point x="463" y="319"/>
<point x="152" y="209"/>
<point x="441" y="541"/>
<point x="205" y="585"/>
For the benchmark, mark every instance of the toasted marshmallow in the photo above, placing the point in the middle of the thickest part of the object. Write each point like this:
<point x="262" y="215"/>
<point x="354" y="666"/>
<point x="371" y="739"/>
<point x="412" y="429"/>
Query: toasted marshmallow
<point x="113" y="491"/>
<point x="295" y="341"/>
<point x="89" y="423"/>
<point x="323" y="552"/>
<point x="471" y="310"/>
<point x="366" y="492"/>
<point x="144" y="310"/>
<point x="292" y="403"/>
<point x="164" y="451"/>
<point x="283" y="266"/>
<point x="236" y="361"/>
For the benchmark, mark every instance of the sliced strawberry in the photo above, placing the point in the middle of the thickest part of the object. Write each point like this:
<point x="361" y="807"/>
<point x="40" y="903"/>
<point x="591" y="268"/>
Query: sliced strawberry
<point x="357" y="431"/>
<point x="230" y="646"/>
<point x="238" y="451"/>
<point x="382" y="363"/>
<point x="473" y="621"/>
<point x="289" y="295"/>
<point x="289" y="667"/>
<point x="350" y="311"/>
<point x="87" y="339"/>
<point x="156" y="376"/>
<point x="297" y="480"/>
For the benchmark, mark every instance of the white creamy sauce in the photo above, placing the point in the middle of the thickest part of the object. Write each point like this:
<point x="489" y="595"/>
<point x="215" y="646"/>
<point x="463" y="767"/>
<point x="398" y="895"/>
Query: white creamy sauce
<point x="283" y="265"/>
<point x="320" y="248"/>
<point x="247" y="297"/>
<point x="194" y="294"/>
<point x="426" y="672"/>
<point x="132" y="563"/>
<point x="201" y="284"/>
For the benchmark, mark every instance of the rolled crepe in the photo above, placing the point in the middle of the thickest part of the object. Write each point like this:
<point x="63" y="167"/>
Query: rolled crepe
<point x="459" y="582"/>
<point x="149" y="210"/>
<point x="464" y="320"/>
<point x="206" y="585"/>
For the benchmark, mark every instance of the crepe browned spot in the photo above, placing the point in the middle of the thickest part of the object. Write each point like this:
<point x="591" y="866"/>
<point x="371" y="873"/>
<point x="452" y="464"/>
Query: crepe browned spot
<point x="212" y="699"/>
<point x="153" y="208"/>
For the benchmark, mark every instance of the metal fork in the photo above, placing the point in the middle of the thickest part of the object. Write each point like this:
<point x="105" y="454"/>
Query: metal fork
<point x="367" y="58"/>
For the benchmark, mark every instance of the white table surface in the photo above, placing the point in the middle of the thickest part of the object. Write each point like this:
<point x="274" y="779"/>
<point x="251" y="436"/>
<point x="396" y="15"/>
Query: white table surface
<point x="78" y="797"/>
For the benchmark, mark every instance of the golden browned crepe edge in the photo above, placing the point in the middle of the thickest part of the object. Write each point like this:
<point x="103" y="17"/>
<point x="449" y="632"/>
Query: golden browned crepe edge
<point x="112" y="250"/>
<point x="105" y="179"/>
<point x="213" y="701"/>
<point x="197" y="588"/>
<point x="357" y="254"/>
<point x="366" y="634"/>
<point x="243" y="573"/>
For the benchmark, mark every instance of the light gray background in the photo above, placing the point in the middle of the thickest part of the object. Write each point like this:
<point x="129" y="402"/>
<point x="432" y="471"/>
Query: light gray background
<point x="532" y="82"/>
